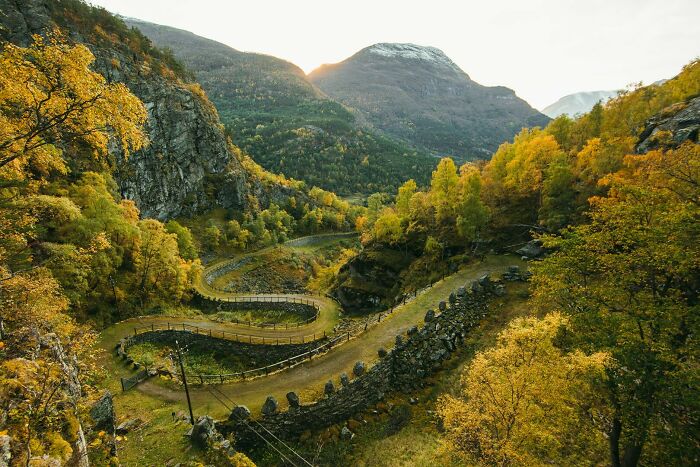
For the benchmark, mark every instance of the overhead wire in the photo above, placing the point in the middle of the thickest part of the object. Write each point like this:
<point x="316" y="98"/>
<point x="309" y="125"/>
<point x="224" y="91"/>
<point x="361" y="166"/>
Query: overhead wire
<point x="266" y="430"/>
<point x="254" y="431"/>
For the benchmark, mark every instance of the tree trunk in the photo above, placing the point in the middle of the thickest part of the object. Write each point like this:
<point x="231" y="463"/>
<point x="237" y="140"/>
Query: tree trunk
<point x="614" y="441"/>
<point x="632" y="454"/>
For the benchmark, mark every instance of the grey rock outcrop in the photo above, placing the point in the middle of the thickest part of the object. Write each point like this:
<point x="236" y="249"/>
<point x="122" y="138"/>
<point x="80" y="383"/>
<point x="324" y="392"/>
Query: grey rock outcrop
<point x="203" y="431"/>
<point x="671" y="127"/>
<point x="188" y="165"/>
<point x="5" y="450"/>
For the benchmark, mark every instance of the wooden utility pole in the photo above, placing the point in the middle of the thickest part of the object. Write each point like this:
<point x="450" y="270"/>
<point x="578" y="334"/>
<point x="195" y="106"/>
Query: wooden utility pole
<point x="184" y="380"/>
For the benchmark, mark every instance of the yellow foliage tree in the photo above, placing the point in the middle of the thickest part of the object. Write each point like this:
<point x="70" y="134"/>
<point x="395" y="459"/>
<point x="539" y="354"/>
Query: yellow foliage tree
<point x="50" y="99"/>
<point x="526" y="402"/>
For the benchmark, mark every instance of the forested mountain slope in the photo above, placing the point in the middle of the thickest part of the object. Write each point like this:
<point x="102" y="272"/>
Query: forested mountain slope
<point x="419" y="95"/>
<point x="286" y="123"/>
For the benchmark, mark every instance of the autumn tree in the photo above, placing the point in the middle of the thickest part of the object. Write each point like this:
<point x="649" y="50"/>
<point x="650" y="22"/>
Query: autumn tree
<point x="403" y="198"/>
<point x="185" y="242"/>
<point x="388" y="227"/>
<point x="444" y="190"/>
<point x="472" y="213"/>
<point x="628" y="280"/>
<point x="50" y="99"/>
<point x="527" y="402"/>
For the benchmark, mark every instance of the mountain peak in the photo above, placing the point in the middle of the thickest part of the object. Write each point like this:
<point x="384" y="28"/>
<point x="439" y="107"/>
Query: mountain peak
<point x="412" y="52"/>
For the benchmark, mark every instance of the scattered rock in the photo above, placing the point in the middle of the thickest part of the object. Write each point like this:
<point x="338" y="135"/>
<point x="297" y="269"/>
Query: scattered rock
<point x="293" y="400"/>
<point x="270" y="406"/>
<point x="128" y="425"/>
<point x="359" y="368"/>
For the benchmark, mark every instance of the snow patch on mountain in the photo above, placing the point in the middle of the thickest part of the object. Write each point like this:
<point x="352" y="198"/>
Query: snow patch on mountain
<point x="413" y="52"/>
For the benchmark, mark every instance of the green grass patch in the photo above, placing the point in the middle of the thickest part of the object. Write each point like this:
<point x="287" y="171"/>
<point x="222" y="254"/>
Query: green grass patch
<point x="198" y="358"/>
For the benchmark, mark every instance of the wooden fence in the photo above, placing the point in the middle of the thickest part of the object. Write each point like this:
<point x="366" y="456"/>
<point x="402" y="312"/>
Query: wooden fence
<point x="233" y="336"/>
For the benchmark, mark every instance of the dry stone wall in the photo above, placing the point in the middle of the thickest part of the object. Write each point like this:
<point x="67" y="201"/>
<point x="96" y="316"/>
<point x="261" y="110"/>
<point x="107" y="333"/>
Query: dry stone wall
<point x="416" y="355"/>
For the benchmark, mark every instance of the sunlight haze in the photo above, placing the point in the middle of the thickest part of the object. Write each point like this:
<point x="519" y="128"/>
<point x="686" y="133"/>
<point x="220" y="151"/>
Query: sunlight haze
<point x="541" y="49"/>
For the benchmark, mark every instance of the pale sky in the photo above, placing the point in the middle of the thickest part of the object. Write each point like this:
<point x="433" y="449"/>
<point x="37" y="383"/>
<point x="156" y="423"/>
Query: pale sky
<point x="543" y="49"/>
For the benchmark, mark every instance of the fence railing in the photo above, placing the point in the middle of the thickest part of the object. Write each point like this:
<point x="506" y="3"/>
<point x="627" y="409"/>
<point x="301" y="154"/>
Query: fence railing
<point x="196" y="378"/>
<point x="233" y="336"/>
<point x="266" y="370"/>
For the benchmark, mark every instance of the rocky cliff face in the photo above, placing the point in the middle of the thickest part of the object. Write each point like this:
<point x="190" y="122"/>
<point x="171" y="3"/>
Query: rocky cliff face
<point x="187" y="167"/>
<point x="419" y="95"/>
<point x="672" y="127"/>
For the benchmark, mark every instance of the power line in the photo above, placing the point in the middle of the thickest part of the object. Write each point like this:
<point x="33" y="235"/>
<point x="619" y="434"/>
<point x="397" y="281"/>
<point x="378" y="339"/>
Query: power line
<point x="254" y="431"/>
<point x="268" y="431"/>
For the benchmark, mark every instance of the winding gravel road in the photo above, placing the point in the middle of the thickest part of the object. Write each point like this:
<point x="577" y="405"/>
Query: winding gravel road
<point x="307" y="379"/>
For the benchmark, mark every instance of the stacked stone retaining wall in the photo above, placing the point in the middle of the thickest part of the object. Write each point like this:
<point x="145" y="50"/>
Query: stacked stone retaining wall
<point x="416" y="355"/>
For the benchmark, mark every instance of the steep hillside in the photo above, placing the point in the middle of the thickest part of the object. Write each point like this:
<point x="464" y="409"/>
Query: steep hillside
<point x="577" y="103"/>
<point x="419" y="95"/>
<point x="188" y="167"/>
<point x="286" y="123"/>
